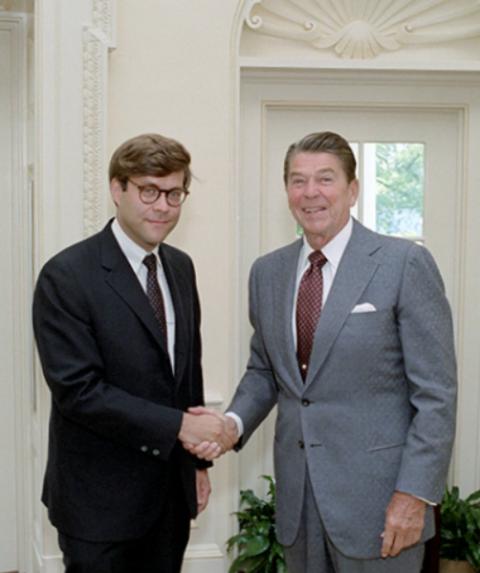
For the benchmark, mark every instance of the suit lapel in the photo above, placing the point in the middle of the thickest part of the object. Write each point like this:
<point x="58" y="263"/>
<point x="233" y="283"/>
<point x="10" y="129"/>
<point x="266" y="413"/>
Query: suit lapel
<point x="355" y="271"/>
<point x="123" y="281"/>
<point x="284" y="279"/>
<point x="178" y="291"/>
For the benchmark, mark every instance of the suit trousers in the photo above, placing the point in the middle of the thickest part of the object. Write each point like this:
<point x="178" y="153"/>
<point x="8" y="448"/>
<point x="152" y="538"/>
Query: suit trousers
<point x="160" y="550"/>
<point x="313" y="551"/>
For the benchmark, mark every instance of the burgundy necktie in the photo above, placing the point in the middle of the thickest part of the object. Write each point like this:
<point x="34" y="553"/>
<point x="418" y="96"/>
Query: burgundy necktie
<point x="154" y="293"/>
<point x="309" y="307"/>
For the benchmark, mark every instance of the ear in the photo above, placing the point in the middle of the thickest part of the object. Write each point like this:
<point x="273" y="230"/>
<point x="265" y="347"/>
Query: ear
<point x="116" y="190"/>
<point x="353" y="188"/>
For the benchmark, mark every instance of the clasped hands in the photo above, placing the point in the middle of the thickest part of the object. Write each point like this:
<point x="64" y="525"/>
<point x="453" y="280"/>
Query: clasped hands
<point x="207" y="433"/>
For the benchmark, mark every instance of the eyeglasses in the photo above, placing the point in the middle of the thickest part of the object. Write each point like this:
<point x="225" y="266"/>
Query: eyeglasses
<point x="150" y="193"/>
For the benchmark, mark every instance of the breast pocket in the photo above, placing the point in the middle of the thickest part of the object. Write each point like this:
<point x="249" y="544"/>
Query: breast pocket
<point x="369" y="335"/>
<point x="376" y="317"/>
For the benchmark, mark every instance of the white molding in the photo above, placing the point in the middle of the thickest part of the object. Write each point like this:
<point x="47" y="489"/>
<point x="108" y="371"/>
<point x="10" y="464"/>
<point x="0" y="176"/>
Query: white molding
<point x="21" y="214"/>
<point x="363" y="29"/>
<point x="369" y="76"/>
<point x="103" y="20"/>
<point x="94" y="129"/>
<point x="406" y="64"/>
<point x="202" y="551"/>
<point x="213" y="399"/>
<point x="98" y="39"/>
<point x="48" y="563"/>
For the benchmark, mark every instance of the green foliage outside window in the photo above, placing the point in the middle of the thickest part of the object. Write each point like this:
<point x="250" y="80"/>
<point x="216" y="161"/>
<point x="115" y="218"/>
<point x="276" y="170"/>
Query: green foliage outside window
<point x="399" y="200"/>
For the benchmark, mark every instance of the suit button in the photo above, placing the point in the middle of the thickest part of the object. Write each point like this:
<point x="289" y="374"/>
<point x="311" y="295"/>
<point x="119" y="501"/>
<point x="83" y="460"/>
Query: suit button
<point x="305" y="402"/>
<point x="144" y="449"/>
<point x="155" y="452"/>
<point x="301" y="444"/>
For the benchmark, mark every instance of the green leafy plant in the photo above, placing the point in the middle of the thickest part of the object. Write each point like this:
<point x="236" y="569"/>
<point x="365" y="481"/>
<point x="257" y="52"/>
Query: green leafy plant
<point x="460" y="527"/>
<point x="258" y="550"/>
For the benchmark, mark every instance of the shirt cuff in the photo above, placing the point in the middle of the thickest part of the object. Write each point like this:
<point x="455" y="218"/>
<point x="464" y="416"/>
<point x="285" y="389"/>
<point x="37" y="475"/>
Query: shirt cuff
<point x="238" y="422"/>
<point x="432" y="503"/>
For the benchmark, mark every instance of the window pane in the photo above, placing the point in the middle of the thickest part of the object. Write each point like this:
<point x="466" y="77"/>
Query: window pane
<point x="399" y="187"/>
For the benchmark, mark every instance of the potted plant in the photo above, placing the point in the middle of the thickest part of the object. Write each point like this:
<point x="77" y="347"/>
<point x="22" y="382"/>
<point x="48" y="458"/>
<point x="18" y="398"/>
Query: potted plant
<point x="460" y="532"/>
<point x="258" y="550"/>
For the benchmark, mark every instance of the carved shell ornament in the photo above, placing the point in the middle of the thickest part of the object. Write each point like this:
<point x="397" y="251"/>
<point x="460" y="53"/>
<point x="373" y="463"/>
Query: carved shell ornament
<point x="365" y="28"/>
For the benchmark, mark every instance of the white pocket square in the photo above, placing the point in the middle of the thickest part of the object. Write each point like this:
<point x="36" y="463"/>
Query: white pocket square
<point x="364" y="307"/>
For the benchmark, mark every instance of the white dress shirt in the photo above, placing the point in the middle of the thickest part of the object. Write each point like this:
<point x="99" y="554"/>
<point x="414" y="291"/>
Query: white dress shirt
<point x="135" y="255"/>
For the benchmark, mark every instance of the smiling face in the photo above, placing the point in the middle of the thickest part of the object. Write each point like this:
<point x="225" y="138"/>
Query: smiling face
<point x="319" y="195"/>
<point x="147" y="225"/>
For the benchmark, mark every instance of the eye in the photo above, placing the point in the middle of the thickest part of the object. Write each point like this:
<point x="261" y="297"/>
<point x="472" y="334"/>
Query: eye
<point x="297" y="182"/>
<point x="175" y="194"/>
<point x="149" y="192"/>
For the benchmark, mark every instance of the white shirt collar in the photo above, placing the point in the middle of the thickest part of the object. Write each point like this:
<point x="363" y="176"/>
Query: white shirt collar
<point x="134" y="253"/>
<point x="333" y="250"/>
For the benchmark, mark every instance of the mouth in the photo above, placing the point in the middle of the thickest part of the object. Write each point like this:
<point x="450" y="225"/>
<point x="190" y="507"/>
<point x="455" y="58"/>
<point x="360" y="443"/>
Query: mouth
<point x="313" y="210"/>
<point x="155" y="222"/>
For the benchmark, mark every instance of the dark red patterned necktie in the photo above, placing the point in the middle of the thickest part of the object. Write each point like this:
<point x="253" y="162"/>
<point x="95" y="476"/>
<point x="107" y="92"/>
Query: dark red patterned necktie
<point x="309" y="307"/>
<point x="154" y="293"/>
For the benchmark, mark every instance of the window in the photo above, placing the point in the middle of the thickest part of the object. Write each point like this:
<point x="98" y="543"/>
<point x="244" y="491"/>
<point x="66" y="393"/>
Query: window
<point x="391" y="188"/>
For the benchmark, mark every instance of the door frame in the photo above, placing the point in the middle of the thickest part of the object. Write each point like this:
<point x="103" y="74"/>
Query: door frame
<point x="16" y="25"/>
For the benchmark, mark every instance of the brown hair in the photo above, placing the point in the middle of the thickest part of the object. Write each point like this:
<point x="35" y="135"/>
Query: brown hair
<point x="149" y="154"/>
<point x="323" y="142"/>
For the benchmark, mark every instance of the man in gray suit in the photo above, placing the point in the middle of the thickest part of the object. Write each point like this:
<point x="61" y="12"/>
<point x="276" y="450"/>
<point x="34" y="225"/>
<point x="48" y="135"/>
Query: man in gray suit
<point x="366" y="407"/>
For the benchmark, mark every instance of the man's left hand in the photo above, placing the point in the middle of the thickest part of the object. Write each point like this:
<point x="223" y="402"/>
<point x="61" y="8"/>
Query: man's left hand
<point x="203" y="489"/>
<point x="404" y="521"/>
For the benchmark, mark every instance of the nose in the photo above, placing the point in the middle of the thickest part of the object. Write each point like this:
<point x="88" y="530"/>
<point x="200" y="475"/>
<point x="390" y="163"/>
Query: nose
<point x="311" y="188"/>
<point x="161" y="203"/>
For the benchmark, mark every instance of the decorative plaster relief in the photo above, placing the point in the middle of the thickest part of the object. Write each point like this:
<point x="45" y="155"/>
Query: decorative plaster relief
<point x="97" y="40"/>
<point x="365" y="28"/>
<point x="93" y="130"/>
<point x="103" y="19"/>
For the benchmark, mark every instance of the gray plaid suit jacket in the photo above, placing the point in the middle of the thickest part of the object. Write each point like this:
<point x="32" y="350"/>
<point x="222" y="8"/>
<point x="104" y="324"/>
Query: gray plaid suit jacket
<point x="377" y="411"/>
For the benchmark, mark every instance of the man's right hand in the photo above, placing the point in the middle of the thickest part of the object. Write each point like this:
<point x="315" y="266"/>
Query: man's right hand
<point x="207" y="433"/>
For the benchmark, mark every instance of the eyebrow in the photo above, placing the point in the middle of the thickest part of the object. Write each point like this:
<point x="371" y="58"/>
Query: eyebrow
<point x="321" y="171"/>
<point x="152" y="184"/>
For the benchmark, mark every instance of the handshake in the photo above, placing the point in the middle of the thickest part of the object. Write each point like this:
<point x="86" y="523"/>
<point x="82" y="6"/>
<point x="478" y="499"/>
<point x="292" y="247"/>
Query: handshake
<point x="207" y="433"/>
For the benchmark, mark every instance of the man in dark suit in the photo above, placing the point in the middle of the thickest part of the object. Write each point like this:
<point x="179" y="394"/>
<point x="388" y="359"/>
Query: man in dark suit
<point x="117" y="325"/>
<point x="353" y="343"/>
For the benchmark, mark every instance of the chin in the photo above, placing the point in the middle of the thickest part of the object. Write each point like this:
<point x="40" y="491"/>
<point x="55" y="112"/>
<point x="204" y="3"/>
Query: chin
<point x="154" y="242"/>
<point x="316" y="231"/>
